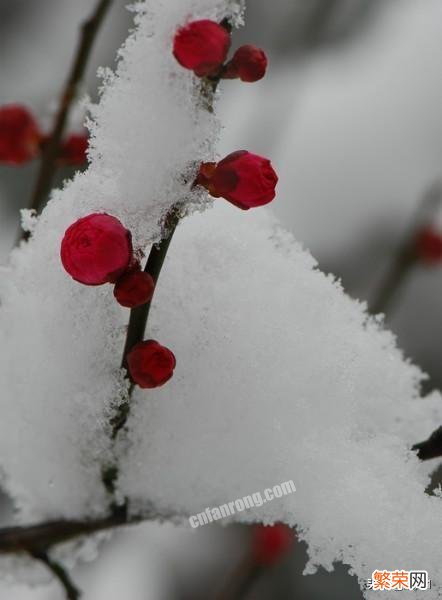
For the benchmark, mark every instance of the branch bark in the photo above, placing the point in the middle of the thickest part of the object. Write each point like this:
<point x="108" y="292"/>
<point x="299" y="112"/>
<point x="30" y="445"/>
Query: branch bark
<point x="51" y="148"/>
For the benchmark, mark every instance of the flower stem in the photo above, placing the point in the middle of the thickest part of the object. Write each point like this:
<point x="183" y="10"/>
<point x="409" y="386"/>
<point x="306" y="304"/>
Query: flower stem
<point x="51" y="148"/>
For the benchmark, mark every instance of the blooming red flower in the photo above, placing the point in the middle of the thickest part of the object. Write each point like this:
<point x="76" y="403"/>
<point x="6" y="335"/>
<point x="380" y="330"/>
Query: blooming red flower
<point x="270" y="543"/>
<point x="73" y="150"/>
<point x="249" y="63"/>
<point x="150" y="364"/>
<point x="428" y="246"/>
<point x="19" y="135"/>
<point x="96" y="249"/>
<point x="244" y="179"/>
<point x="201" y="46"/>
<point x="134" y="288"/>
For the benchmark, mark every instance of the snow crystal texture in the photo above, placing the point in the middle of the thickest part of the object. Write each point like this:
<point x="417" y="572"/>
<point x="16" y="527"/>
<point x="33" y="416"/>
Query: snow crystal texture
<point x="279" y="374"/>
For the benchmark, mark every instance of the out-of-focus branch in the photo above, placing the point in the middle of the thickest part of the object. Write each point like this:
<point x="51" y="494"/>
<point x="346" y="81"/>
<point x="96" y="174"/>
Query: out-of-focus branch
<point x="241" y="580"/>
<point x="406" y="257"/>
<point x="430" y="448"/>
<point x="51" y="147"/>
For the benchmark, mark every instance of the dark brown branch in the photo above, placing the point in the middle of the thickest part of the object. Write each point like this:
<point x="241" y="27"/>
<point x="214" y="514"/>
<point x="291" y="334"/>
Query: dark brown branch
<point x="430" y="448"/>
<point x="406" y="258"/>
<point x="51" y="148"/>
<point x="138" y="316"/>
<point x="72" y="592"/>
<point x="35" y="539"/>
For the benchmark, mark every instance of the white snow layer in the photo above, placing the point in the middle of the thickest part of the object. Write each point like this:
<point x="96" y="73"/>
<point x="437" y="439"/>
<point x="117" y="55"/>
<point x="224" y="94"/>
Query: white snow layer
<point x="279" y="374"/>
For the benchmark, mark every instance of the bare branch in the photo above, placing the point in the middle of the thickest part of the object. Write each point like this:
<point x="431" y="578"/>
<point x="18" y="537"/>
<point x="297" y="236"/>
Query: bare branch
<point x="51" y="148"/>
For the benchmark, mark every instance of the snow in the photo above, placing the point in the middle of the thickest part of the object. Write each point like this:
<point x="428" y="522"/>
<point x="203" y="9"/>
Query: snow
<point x="279" y="374"/>
<point x="63" y="342"/>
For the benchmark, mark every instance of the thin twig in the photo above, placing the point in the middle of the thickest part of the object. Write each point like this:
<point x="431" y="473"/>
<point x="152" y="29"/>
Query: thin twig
<point x="406" y="257"/>
<point x="51" y="148"/>
<point x="60" y="573"/>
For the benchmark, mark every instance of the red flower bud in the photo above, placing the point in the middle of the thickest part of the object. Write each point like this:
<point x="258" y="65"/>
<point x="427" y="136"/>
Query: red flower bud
<point x="249" y="63"/>
<point x="73" y="150"/>
<point x="134" y="289"/>
<point x="244" y="179"/>
<point x="271" y="543"/>
<point x="201" y="46"/>
<point x="19" y="135"/>
<point x="96" y="249"/>
<point x="150" y="364"/>
<point x="428" y="246"/>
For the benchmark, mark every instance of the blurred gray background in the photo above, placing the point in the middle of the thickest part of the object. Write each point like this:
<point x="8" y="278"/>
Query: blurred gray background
<point x="350" y="114"/>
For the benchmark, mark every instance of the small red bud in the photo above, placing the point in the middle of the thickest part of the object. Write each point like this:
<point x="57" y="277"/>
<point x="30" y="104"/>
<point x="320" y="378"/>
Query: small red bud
<point x="201" y="46"/>
<point x="150" y="364"/>
<point x="134" y="289"/>
<point x="244" y="179"/>
<point x="249" y="63"/>
<point x="73" y="150"/>
<point x="271" y="543"/>
<point x="96" y="249"/>
<point x="20" y="135"/>
<point x="428" y="246"/>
